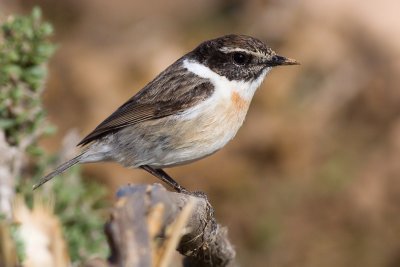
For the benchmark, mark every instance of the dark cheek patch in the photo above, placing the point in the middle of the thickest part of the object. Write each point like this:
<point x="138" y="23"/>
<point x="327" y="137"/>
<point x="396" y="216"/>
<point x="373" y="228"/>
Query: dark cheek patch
<point x="222" y="64"/>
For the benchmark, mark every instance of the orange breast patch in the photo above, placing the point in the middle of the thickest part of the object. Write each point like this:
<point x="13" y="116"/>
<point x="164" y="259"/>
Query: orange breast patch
<point x="238" y="102"/>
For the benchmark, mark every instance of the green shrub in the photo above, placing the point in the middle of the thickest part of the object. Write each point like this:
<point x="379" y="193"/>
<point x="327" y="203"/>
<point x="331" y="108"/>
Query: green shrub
<point x="25" y="49"/>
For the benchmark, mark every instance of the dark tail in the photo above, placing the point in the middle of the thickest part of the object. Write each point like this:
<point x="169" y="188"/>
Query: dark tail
<point x="60" y="169"/>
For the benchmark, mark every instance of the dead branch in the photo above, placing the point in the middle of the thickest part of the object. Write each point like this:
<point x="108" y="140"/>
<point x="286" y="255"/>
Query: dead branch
<point x="148" y="223"/>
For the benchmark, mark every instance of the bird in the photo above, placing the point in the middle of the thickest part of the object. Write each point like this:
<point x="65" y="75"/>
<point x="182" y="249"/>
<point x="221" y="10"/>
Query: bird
<point x="189" y="111"/>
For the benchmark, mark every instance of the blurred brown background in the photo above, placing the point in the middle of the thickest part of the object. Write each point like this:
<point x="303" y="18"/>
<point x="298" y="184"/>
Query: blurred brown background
<point x="313" y="177"/>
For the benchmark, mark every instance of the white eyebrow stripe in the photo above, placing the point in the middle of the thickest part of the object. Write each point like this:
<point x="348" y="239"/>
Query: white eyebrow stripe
<point x="237" y="49"/>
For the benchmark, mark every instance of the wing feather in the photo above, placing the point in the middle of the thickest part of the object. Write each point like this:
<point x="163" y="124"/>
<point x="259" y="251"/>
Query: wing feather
<point x="171" y="92"/>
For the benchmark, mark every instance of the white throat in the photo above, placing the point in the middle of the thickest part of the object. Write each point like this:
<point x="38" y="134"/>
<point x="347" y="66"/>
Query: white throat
<point x="222" y="85"/>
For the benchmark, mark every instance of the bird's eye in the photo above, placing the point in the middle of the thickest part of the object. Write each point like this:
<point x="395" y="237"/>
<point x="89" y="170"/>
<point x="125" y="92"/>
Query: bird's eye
<point x="240" y="58"/>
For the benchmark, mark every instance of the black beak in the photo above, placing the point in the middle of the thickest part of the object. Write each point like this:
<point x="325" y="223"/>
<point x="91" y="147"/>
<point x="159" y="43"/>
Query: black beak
<point x="280" y="61"/>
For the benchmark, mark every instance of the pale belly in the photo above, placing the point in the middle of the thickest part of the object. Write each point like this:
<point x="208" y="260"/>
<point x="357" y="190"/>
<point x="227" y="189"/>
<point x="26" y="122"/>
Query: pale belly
<point x="203" y="136"/>
<point x="179" y="140"/>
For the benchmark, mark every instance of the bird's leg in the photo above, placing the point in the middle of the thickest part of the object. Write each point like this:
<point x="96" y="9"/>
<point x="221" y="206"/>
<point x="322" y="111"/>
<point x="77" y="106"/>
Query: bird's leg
<point x="163" y="176"/>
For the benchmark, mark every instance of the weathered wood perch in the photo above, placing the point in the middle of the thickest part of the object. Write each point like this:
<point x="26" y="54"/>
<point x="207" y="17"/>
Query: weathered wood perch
<point x="148" y="223"/>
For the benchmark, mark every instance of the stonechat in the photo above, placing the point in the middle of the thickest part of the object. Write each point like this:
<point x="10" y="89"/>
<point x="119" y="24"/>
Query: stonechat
<point x="189" y="111"/>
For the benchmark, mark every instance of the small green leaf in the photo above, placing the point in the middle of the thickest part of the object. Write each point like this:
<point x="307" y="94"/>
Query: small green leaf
<point x="50" y="130"/>
<point x="35" y="151"/>
<point x="17" y="93"/>
<point x="7" y="123"/>
<point x="46" y="29"/>
<point x="36" y="13"/>
<point x="13" y="71"/>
